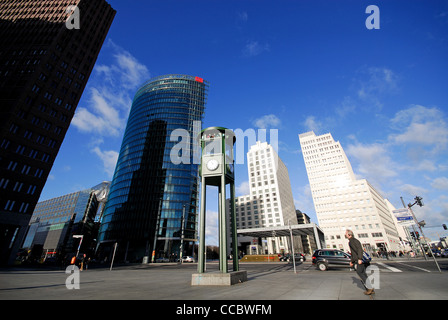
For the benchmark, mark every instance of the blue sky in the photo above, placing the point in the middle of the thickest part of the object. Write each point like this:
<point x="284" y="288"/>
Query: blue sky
<point x="289" y="65"/>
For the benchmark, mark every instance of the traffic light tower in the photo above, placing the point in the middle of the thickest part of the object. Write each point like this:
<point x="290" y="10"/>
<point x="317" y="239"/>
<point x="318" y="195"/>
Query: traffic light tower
<point x="217" y="169"/>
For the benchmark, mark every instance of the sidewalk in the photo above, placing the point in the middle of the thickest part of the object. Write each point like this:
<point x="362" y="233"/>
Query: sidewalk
<point x="172" y="282"/>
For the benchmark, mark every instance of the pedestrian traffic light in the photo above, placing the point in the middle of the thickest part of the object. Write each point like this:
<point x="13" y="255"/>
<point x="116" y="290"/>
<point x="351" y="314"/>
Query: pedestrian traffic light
<point x="444" y="226"/>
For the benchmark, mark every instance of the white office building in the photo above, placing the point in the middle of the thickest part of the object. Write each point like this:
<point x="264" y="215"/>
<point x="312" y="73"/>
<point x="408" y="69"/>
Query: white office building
<point x="270" y="201"/>
<point x="343" y="202"/>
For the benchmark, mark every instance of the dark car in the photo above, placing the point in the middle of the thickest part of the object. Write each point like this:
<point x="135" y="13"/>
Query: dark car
<point x="297" y="257"/>
<point x="324" y="258"/>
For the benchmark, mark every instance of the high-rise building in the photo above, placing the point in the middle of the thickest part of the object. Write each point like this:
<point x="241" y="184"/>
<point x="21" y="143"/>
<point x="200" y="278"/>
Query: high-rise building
<point x="343" y="202"/>
<point x="150" y="194"/>
<point x="270" y="201"/>
<point x="44" y="66"/>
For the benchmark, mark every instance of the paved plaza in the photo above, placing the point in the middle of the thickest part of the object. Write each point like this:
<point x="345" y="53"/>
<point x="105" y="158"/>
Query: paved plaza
<point x="399" y="280"/>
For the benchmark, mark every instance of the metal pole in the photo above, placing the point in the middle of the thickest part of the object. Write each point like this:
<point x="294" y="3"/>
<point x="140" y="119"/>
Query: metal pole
<point x="201" y="248"/>
<point x="425" y="240"/>
<point x="223" y="225"/>
<point x="410" y="238"/>
<point x="113" y="256"/>
<point x="316" y="236"/>
<point x="234" y="229"/>
<point x="182" y="234"/>
<point x="159" y="213"/>
<point x="292" y="246"/>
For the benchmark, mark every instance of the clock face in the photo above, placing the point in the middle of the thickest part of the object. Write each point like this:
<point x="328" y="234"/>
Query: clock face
<point x="212" y="165"/>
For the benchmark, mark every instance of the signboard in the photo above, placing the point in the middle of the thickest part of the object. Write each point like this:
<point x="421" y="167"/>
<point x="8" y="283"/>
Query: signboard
<point x="404" y="217"/>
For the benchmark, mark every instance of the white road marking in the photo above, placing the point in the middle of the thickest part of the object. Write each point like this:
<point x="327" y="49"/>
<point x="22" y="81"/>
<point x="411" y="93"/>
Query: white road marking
<point x="389" y="267"/>
<point x="407" y="265"/>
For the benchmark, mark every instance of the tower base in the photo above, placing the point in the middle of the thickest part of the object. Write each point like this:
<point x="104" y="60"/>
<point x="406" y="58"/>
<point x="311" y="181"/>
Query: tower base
<point x="218" y="278"/>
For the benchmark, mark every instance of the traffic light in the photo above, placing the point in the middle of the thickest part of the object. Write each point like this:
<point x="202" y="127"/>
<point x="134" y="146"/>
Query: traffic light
<point x="412" y="235"/>
<point x="444" y="226"/>
<point x="419" y="201"/>
<point x="417" y="235"/>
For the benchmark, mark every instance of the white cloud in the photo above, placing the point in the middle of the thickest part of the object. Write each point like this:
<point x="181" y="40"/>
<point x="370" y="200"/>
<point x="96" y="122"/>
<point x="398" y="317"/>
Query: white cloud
<point x="134" y="72"/>
<point x="419" y="125"/>
<point x="254" y="48"/>
<point x="348" y="105"/>
<point x="440" y="183"/>
<point x="311" y="124"/>
<point x="110" y="94"/>
<point x="211" y="230"/>
<point x="103" y="118"/>
<point x="242" y="16"/>
<point x="376" y="80"/>
<point x="110" y="91"/>
<point x="109" y="159"/>
<point x="267" y="121"/>
<point x="412" y="190"/>
<point x="303" y="199"/>
<point x="374" y="162"/>
<point x="420" y="132"/>
<point x="425" y="165"/>
<point x="242" y="189"/>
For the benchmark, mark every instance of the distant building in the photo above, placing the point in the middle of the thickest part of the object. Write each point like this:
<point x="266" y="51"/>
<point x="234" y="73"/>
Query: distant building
<point x="44" y="68"/>
<point x="308" y="242"/>
<point x="343" y="202"/>
<point x="270" y="201"/>
<point x="55" y="221"/>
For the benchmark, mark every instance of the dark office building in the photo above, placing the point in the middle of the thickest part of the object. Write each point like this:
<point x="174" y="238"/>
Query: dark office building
<point x="149" y="193"/>
<point x="44" y="66"/>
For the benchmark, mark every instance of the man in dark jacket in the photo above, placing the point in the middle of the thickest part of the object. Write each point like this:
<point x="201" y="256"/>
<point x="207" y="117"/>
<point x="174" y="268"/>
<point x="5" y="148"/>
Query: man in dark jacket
<point x="356" y="252"/>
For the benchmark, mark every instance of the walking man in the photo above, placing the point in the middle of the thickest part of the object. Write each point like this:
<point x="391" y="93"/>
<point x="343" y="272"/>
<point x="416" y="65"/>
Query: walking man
<point x="356" y="261"/>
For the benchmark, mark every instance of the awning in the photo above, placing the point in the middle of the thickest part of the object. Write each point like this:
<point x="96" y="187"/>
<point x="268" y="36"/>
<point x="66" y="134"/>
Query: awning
<point x="308" y="229"/>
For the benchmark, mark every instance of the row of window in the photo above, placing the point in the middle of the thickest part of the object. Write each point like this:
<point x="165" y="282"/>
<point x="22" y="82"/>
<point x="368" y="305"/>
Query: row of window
<point x="12" y="205"/>
<point x="360" y="236"/>
<point x="17" y="186"/>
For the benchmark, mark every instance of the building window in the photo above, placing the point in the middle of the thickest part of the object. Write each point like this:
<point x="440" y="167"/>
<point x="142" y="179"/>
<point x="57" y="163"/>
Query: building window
<point x="9" y="205"/>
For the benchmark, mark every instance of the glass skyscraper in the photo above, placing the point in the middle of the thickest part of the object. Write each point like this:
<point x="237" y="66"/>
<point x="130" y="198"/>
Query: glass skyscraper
<point x="150" y="195"/>
<point x="55" y="221"/>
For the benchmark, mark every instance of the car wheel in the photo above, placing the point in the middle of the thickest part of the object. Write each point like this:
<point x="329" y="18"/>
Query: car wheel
<point x="322" y="266"/>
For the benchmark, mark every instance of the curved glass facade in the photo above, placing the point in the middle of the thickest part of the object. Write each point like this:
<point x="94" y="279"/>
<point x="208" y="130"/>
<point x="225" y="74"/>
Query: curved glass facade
<point x="148" y="192"/>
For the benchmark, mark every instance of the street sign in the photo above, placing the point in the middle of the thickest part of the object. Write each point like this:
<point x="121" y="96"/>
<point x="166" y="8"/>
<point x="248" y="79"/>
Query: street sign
<point x="404" y="217"/>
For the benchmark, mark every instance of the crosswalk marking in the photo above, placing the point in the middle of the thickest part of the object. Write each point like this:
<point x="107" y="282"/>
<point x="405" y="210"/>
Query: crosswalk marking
<point x="407" y="265"/>
<point x="388" y="267"/>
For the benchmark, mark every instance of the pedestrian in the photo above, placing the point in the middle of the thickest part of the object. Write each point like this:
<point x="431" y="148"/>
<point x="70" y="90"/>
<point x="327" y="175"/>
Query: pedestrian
<point x="356" y="259"/>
